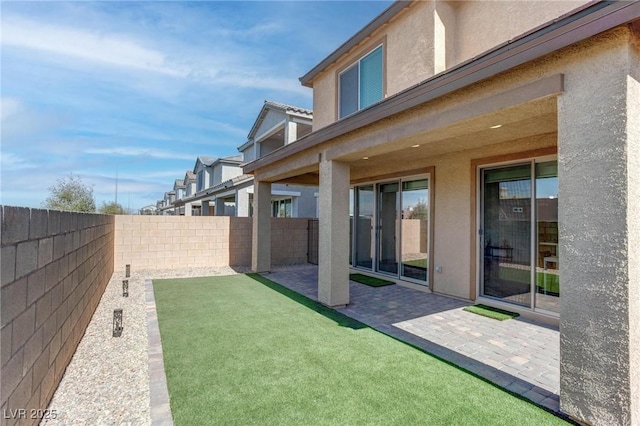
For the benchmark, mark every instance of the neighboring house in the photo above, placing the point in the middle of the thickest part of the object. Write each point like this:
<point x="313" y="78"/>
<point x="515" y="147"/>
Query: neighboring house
<point x="168" y="203"/>
<point x="209" y="173"/>
<point x="189" y="208"/>
<point x="149" y="210"/>
<point x="189" y="183"/>
<point x="221" y="188"/>
<point x="441" y="132"/>
<point x="276" y="126"/>
<point x="179" y="189"/>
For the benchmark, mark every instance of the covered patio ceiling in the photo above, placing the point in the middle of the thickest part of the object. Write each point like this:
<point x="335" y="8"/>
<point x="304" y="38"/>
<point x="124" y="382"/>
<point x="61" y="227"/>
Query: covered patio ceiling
<point x="537" y="117"/>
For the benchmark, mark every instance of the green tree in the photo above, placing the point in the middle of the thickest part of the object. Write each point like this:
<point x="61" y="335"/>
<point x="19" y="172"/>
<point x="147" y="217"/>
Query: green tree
<point x="419" y="211"/>
<point x="111" y="208"/>
<point x="71" y="194"/>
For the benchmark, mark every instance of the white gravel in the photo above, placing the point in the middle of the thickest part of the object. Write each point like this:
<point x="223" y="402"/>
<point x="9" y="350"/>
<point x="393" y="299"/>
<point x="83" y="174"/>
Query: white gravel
<point x="107" y="381"/>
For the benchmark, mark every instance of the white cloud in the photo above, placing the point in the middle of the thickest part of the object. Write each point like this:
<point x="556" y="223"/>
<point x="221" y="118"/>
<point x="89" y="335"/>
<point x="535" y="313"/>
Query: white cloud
<point x="111" y="49"/>
<point x="171" y="174"/>
<point x="12" y="162"/>
<point x="9" y="107"/>
<point x="249" y="80"/>
<point x="140" y="152"/>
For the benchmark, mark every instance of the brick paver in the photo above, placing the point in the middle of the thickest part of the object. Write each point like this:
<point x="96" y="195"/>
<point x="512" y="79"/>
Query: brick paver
<point x="521" y="355"/>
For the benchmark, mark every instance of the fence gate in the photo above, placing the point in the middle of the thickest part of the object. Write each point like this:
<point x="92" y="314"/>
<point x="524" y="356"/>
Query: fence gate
<point x="312" y="244"/>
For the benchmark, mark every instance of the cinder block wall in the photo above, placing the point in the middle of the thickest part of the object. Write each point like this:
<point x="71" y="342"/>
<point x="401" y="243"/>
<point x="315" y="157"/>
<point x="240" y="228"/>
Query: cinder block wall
<point x="165" y="242"/>
<point x="289" y="240"/>
<point x="55" y="267"/>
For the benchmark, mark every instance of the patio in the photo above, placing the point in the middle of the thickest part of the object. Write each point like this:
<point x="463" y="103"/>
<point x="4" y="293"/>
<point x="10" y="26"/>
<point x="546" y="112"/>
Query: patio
<point x="520" y="355"/>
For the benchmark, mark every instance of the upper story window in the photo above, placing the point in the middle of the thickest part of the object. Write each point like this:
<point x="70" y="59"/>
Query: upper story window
<point x="201" y="177"/>
<point x="360" y="85"/>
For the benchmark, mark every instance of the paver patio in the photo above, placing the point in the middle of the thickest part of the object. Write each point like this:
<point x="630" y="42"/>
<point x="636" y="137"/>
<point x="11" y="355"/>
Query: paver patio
<point x="521" y="355"/>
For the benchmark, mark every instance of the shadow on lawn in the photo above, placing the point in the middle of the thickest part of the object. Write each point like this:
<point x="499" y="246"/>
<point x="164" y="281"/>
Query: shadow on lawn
<point x="340" y="319"/>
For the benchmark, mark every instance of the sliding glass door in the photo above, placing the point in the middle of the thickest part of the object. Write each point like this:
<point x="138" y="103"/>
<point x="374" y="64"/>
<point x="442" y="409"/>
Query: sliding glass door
<point x="507" y="233"/>
<point x="519" y="235"/>
<point x="415" y="229"/>
<point x="387" y="226"/>
<point x="391" y="233"/>
<point x="548" y="261"/>
<point x="364" y="226"/>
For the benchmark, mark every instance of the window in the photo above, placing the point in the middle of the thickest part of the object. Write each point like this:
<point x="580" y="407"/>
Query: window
<point x="281" y="208"/>
<point x="200" y="186"/>
<point x="360" y="85"/>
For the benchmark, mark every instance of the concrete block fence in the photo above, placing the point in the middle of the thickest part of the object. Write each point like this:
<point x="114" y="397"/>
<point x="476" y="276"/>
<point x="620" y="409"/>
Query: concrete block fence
<point x="55" y="267"/>
<point x="162" y="242"/>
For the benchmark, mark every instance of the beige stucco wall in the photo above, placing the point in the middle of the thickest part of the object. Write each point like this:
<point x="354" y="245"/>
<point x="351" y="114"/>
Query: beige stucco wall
<point x="598" y="140"/>
<point x="408" y="60"/>
<point x="481" y="25"/>
<point x="431" y="36"/>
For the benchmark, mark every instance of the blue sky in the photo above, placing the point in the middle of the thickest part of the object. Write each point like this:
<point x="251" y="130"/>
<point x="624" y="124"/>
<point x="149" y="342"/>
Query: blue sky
<point x="140" y="89"/>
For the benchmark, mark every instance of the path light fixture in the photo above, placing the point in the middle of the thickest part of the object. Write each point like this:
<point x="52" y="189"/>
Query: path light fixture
<point x="117" y="323"/>
<point x="125" y="288"/>
<point x="128" y="271"/>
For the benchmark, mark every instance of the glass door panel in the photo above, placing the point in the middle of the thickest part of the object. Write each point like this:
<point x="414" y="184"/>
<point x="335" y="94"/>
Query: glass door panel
<point x="387" y="227"/>
<point x="506" y="214"/>
<point x="351" y="211"/>
<point x="415" y="229"/>
<point x="547" y="261"/>
<point x="364" y="226"/>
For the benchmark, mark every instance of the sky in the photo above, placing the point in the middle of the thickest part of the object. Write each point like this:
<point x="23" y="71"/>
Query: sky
<point x="135" y="91"/>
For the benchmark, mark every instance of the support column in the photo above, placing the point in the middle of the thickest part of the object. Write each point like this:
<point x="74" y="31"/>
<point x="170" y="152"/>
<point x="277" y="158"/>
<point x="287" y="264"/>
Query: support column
<point x="219" y="207"/>
<point x="290" y="132"/>
<point x="187" y="209"/>
<point x="242" y="203"/>
<point x="599" y="205"/>
<point x="333" y="260"/>
<point x="261" y="239"/>
<point x="204" y="210"/>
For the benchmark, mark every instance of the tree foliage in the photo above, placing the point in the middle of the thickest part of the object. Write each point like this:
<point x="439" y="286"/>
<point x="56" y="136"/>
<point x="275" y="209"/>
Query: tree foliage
<point x="111" y="208"/>
<point x="71" y="194"/>
<point x="419" y="211"/>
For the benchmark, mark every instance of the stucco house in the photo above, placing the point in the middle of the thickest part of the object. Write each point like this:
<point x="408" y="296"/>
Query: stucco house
<point x="209" y="172"/>
<point x="223" y="190"/>
<point x="168" y="203"/>
<point x="488" y="151"/>
<point x="276" y="125"/>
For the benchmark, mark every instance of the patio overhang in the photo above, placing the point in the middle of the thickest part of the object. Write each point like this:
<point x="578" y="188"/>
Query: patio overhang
<point x="421" y="133"/>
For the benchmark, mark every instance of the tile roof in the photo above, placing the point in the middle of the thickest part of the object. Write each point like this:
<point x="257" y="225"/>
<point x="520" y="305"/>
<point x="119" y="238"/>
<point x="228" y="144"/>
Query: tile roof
<point x="288" y="108"/>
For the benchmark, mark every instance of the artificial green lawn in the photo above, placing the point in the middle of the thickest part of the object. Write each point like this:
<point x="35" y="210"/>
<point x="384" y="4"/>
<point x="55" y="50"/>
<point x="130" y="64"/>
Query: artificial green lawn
<point x="243" y="350"/>
<point x="491" y="312"/>
<point x="370" y="281"/>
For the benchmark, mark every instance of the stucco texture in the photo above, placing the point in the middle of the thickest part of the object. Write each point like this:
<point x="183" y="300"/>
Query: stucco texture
<point x="600" y="320"/>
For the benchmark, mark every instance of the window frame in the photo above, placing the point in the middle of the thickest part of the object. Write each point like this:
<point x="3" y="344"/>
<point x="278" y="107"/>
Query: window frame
<point x="371" y="48"/>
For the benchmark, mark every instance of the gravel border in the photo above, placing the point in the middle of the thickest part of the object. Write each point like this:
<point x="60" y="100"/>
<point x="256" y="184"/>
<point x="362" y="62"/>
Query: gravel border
<point x="108" y="379"/>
